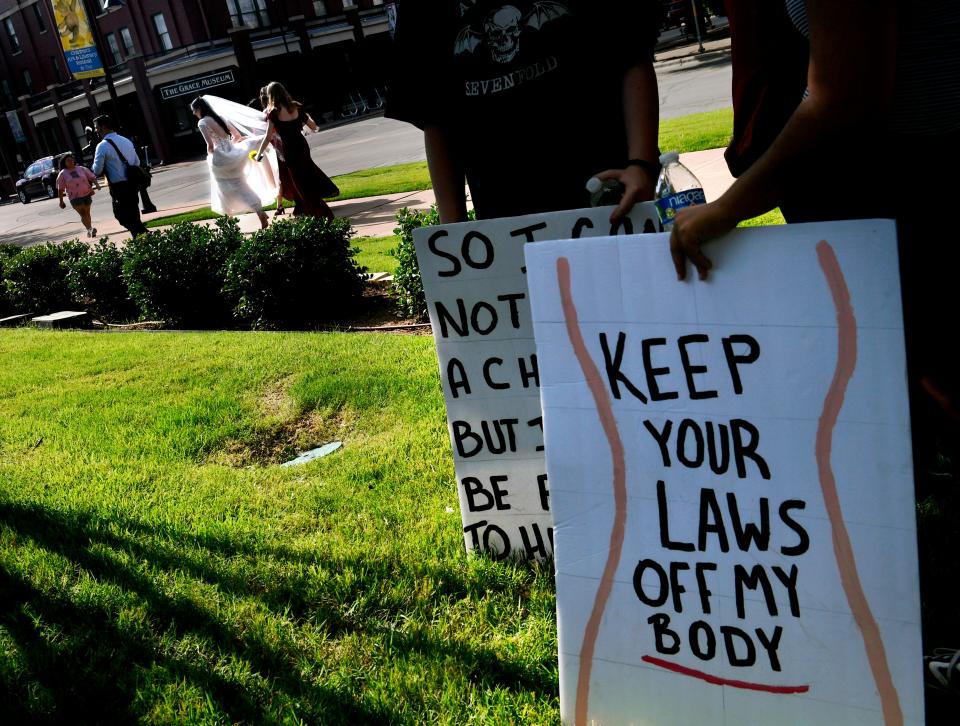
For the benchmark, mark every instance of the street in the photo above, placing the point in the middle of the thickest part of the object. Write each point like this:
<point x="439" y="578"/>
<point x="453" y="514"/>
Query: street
<point x="689" y="84"/>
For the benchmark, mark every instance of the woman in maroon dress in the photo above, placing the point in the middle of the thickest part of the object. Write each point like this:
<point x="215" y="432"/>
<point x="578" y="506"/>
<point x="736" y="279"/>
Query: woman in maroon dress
<point x="306" y="183"/>
<point x="286" y="189"/>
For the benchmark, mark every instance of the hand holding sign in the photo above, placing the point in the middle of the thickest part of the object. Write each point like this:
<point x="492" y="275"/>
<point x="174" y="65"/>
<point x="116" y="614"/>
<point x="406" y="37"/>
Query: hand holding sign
<point x="692" y="228"/>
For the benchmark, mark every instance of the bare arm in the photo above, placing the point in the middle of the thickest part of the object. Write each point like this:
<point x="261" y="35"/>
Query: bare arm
<point x="266" y="140"/>
<point x="849" y="82"/>
<point x="446" y="174"/>
<point x="92" y="178"/>
<point x="641" y="117"/>
<point x="311" y="124"/>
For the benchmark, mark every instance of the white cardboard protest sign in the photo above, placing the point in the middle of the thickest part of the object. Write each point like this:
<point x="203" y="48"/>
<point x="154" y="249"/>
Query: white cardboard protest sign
<point x="476" y="289"/>
<point x="731" y="480"/>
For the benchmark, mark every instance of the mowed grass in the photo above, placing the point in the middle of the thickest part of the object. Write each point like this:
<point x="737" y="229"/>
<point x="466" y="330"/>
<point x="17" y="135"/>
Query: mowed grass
<point x="374" y="253"/>
<point x="157" y="565"/>
<point x="383" y="180"/>
<point x="774" y="216"/>
<point x="695" y="132"/>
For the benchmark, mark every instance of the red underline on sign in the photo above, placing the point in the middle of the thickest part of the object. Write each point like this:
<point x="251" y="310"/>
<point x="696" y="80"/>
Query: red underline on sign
<point x="717" y="681"/>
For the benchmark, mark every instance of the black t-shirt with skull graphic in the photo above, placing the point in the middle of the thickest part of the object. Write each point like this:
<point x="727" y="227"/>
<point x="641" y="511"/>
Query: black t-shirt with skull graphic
<point x="531" y="91"/>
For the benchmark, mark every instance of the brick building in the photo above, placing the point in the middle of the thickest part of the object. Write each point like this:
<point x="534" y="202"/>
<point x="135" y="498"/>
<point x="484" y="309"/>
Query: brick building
<point x="331" y="55"/>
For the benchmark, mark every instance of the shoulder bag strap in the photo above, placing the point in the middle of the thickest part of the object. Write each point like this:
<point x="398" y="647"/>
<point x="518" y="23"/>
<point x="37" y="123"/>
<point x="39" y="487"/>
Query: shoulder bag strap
<point x="123" y="159"/>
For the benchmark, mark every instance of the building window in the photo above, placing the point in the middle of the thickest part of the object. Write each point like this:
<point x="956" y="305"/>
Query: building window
<point x="28" y="81"/>
<point x="320" y="8"/>
<point x="249" y="13"/>
<point x="56" y="69"/>
<point x="347" y="4"/>
<point x="378" y="2"/>
<point x="163" y="35"/>
<point x="128" y="47"/>
<point x="114" y="48"/>
<point x="38" y="12"/>
<point x="12" y="35"/>
<point x="7" y="92"/>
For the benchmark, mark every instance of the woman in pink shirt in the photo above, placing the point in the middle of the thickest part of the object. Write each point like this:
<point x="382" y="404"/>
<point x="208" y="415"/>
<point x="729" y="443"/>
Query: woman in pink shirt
<point x="79" y="184"/>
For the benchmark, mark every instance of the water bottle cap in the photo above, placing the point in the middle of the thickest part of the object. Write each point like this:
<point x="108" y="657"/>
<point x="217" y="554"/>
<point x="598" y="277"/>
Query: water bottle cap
<point x="594" y="185"/>
<point x="669" y="157"/>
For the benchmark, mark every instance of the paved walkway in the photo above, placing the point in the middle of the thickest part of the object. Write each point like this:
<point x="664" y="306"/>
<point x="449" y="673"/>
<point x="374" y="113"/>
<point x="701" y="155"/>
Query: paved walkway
<point x="370" y="216"/>
<point x="376" y="216"/>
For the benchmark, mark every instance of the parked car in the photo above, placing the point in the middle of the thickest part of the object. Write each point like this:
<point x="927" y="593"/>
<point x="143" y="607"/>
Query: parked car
<point x="40" y="179"/>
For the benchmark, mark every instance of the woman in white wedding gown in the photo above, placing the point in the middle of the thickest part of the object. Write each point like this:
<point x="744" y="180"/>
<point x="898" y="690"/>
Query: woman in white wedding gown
<point x="237" y="183"/>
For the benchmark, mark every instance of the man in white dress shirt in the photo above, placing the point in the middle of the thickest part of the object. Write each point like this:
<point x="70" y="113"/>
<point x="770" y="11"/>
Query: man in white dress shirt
<point x="107" y="159"/>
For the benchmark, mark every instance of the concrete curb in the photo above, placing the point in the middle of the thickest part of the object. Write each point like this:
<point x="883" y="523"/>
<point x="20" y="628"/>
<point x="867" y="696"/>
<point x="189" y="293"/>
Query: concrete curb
<point x="694" y="58"/>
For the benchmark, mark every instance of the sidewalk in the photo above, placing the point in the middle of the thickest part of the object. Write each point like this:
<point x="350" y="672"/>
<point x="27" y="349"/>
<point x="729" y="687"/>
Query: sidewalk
<point x="689" y="53"/>
<point x="376" y="216"/>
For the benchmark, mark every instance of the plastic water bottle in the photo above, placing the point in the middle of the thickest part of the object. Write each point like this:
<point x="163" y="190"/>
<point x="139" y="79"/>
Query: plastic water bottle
<point x="677" y="188"/>
<point x="604" y="193"/>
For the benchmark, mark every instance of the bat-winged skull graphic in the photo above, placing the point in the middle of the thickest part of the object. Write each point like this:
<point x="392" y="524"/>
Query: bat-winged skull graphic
<point x="501" y="29"/>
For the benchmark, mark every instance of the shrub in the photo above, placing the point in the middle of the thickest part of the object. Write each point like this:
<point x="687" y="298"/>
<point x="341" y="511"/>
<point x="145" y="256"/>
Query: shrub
<point x="97" y="280"/>
<point x="7" y="252"/>
<point x="36" y="277"/>
<point x="296" y="273"/>
<point x="177" y="275"/>
<point x="407" y="288"/>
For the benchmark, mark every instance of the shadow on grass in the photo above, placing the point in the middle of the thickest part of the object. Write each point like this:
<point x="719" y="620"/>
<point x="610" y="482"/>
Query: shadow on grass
<point x="78" y="660"/>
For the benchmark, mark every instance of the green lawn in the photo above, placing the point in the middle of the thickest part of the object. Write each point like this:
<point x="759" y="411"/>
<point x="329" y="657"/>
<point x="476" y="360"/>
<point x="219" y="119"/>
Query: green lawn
<point x="374" y="253"/>
<point x="697" y="132"/>
<point x="383" y="180"/>
<point x="774" y="216"/>
<point x="689" y="133"/>
<point x="157" y="565"/>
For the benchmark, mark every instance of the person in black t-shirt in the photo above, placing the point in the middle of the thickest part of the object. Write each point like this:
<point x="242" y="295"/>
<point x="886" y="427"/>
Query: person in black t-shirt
<point x="528" y="100"/>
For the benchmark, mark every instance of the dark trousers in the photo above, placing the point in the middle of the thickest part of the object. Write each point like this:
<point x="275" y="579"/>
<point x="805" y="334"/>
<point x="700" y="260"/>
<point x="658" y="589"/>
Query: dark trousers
<point x="125" y="207"/>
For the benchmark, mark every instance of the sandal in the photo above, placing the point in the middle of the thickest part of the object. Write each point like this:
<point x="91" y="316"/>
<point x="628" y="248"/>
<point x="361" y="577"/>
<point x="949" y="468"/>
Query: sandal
<point x="279" y="211"/>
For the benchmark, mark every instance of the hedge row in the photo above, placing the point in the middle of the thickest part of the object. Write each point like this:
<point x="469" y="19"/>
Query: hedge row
<point x="295" y="274"/>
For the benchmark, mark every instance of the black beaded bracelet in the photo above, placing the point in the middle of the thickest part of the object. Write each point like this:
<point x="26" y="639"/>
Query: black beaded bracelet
<point x="651" y="167"/>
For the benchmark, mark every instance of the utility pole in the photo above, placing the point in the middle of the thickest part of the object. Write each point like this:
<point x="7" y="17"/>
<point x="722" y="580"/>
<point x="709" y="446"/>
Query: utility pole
<point x="696" y="24"/>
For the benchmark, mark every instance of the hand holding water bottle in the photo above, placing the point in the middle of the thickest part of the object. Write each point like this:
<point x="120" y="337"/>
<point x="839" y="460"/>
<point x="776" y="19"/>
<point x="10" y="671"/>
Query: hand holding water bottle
<point x="635" y="183"/>
<point x="683" y="210"/>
